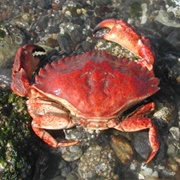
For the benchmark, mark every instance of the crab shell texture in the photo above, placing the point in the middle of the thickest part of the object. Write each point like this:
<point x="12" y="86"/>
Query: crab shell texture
<point x="95" y="85"/>
<point x="92" y="90"/>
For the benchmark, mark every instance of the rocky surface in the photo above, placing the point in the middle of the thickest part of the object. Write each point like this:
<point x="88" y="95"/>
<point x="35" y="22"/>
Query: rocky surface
<point x="64" y="28"/>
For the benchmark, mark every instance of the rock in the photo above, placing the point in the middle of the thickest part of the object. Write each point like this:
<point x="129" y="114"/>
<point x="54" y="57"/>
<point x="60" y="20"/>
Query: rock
<point x="163" y="17"/>
<point x="77" y="36"/>
<point x="141" y="144"/>
<point x="98" y="162"/>
<point x="64" y="44"/>
<point x="86" y="46"/>
<point x="71" y="153"/>
<point x="165" y="111"/>
<point x="122" y="149"/>
<point x="5" y="78"/>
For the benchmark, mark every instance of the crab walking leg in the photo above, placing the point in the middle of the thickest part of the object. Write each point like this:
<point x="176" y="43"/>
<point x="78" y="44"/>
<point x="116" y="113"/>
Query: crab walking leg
<point x="133" y="124"/>
<point x="48" y="115"/>
<point x="143" y="110"/>
<point x="46" y="137"/>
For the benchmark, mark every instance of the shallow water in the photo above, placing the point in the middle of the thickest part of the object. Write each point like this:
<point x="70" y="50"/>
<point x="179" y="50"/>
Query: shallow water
<point x="64" y="28"/>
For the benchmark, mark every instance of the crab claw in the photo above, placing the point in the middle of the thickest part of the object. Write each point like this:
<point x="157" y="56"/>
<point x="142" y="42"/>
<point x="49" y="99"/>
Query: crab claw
<point x="25" y="62"/>
<point x="124" y="34"/>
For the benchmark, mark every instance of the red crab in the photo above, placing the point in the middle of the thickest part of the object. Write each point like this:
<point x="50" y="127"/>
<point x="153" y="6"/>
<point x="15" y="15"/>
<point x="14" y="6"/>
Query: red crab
<point x="91" y="89"/>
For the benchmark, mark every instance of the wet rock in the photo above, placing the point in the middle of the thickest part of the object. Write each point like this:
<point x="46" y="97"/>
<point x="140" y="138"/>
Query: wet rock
<point x="6" y="12"/>
<point x="92" y="22"/>
<point x="143" y="148"/>
<point x="72" y="176"/>
<point x="135" y="9"/>
<point x="166" y="111"/>
<point x="174" y="165"/>
<point x="98" y="12"/>
<point x="175" y="132"/>
<point x="173" y="142"/>
<point x="103" y="2"/>
<point x="42" y="22"/>
<point x="64" y="44"/>
<point x="164" y="18"/>
<point x="77" y="36"/>
<point x="81" y="134"/>
<point x="5" y="78"/>
<point x="86" y="46"/>
<point x="148" y="173"/>
<point x="58" y="178"/>
<point x="10" y="41"/>
<point x="53" y="29"/>
<point x="144" y="16"/>
<point x="65" y="171"/>
<point x="98" y="162"/>
<point x="78" y="21"/>
<point x="71" y="9"/>
<point x="71" y="153"/>
<point x="141" y="144"/>
<point x="52" y="42"/>
<point x="122" y="149"/>
<point x="57" y="4"/>
<point x="46" y="4"/>
<point x="130" y="175"/>
<point x="174" y="39"/>
<point x="69" y="15"/>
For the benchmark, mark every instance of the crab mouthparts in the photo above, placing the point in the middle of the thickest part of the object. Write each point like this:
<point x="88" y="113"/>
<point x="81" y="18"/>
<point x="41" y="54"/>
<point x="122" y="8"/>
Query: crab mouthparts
<point x="100" y="32"/>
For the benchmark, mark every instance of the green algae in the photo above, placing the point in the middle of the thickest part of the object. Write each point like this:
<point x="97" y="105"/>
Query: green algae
<point x="16" y="141"/>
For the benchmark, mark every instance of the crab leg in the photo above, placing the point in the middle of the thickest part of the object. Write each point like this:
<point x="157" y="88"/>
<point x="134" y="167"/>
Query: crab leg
<point x="143" y="110"/>
<point x="47" y="138"/>
<point x="133" y="124"/>
<point x="48" y="115"/>
<point x="125" y="35"/>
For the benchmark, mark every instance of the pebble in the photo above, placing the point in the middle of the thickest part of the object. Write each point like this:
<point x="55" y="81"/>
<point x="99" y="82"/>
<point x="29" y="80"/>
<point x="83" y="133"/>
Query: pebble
<point x="163" y="17"/>
<point x="141" y="144"/>
<point x="77" y="36"/>
<point x="166" y="111"/>
<point x="175" y="133"/>
<point x="173" y="142"/>
<point x="174" y="165"/>
<point x="5" y="78"/>
<point x="98" y="162"/>
<point x="64" y="44"/>
<point x="122" y="149"/>
<point x="71" y="153"/>
<point x="81" y="134"/>
<point x="52" y="42"/>
<point x="68" y="20"/>
<point x="86" y="46"/>
<point x="144" y="13"/>
<point x="103" y="2"/>
<point x="57" y="4"/>
<point x="72" y="176"/>
<point x="10" y="40"/>
<point x="148" y="173"/>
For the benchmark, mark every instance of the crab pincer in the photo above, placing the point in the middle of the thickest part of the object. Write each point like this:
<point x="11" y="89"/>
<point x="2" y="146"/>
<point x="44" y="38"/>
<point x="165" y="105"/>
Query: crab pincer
<point x="25" y="62"/>
<point x="124" y="34"/>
